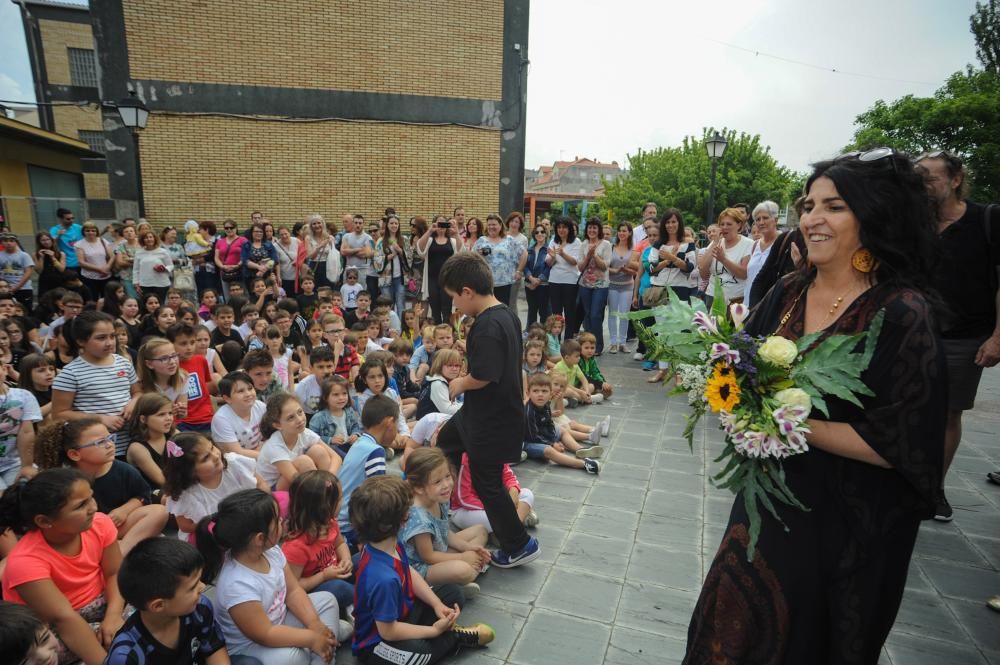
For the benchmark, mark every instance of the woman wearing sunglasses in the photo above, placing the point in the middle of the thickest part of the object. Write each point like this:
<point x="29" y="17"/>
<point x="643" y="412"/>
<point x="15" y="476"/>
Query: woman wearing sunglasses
<point x="826" y="589"/>
<point x="536" y="277"/>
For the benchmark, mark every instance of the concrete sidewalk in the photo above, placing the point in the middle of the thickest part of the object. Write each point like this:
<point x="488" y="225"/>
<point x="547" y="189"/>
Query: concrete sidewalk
<point x="624" y="553"/>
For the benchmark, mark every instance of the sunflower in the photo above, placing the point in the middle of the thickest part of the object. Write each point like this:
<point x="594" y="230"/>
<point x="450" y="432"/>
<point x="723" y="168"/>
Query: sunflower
<point x="722" y="391"/>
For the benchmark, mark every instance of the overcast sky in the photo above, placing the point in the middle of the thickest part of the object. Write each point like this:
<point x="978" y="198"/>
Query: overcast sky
<point x="608" y="78"/>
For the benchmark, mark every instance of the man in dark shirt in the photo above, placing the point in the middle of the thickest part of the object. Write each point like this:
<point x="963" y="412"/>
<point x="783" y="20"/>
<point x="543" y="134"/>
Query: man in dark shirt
<point x="966" y="280"/>
<point x="490" y="424"/>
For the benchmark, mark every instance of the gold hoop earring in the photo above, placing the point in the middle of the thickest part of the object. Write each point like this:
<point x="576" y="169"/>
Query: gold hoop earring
<point x="863" y="260"/>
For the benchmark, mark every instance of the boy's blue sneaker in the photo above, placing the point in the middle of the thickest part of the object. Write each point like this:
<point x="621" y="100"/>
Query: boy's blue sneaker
<point x="527" y="554"/>
<point x="648" y="366"/>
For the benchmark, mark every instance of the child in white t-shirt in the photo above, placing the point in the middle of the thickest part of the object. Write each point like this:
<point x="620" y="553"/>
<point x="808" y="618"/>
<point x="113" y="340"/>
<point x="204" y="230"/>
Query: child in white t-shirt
<point x="290" y="448"/>
<point x="236" y="426"/>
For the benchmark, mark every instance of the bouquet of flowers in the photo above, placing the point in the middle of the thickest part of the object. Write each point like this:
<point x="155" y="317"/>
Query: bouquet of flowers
<point x="763" y="389"/>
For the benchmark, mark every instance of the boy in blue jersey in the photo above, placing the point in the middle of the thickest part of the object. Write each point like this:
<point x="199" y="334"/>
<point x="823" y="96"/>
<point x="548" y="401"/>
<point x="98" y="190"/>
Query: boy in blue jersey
<point x="398" y="618"/>
<point x="366" y="456"/>
<point x="174" y="624"/>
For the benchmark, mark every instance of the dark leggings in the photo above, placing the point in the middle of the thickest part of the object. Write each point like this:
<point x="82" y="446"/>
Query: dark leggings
<point x="440" y="301"/>
<point x="502" y="293"/>
<point x="539" y="307"/>
<point x="96" y="287"/>
<point x="563" y="300"/>
<point x="418" y="651"/>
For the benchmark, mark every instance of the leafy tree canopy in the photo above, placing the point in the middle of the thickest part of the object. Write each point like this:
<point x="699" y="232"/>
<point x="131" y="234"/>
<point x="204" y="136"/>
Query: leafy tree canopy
<point x="963" y="116"/>
<point x="680" y="177"/>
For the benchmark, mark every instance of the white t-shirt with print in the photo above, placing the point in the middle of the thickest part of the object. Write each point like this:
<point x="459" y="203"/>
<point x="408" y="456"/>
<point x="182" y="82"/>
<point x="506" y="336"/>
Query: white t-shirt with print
<point x="228" y="427"/>
<point x="425" y="427"/>
<point x="309" y="393"/>
<point x="16" y="406"/>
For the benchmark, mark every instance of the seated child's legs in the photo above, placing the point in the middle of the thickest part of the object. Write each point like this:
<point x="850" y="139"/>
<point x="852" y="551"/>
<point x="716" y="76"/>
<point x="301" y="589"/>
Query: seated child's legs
<point x="561" y="458"/>
<point x="577" y="427"/>
<point x="568" y="440"/>
<point x="342" y="590"/>
<point x="474" y="535"/>
<point x="525" y="502"/>
<point x="405" y="651"/>
<point x="329" y="615"/>
<point x="302" y="463"/>
<point x="453" y="571"/>
<point x="536" y="450"/>
<point x="142" y="523"/>
<point x="463" y="518"/>
<point x="324" y="458"/>
<point x="409" y="409"/>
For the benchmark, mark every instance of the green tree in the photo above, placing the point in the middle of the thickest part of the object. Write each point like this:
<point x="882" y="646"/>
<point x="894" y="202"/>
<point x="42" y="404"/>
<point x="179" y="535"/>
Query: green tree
<point x="985" y="27"/>
<point x="963" y="116"/>
<point x="680" y="177"/>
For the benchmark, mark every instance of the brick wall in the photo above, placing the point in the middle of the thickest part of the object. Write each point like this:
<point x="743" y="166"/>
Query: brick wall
<point x="71" y="119"/>
<point x="213" y="168"/>
<point x="57" y="36"/>
<point x="450" y="48"/>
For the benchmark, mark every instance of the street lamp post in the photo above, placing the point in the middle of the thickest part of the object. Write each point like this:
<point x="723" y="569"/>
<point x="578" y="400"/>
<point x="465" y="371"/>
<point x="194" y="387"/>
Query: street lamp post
<point x="134" y="115"/>
<point x="716" y="147"/>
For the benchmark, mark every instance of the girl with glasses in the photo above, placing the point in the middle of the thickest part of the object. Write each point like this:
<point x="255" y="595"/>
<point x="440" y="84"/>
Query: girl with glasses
<point x="86" y="445"/>
<point x="160" y="372"/>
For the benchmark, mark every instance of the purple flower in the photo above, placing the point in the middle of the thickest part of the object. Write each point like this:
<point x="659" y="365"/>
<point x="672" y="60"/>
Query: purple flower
<point x="722" y="350"/>
<point x="705" y="322"/>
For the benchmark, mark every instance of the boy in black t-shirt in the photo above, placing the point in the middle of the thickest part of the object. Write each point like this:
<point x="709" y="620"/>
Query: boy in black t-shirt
<point x="174" y="623"/>
<point x="224" y="316"/>
<point x="490" y="424"/>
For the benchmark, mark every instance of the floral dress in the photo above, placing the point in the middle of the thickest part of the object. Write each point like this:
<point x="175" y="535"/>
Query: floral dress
<point x="502" y="259"/>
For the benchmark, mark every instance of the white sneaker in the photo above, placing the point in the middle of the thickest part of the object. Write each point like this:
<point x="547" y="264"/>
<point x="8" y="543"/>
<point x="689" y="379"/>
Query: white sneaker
<point x="345" y="629"/>
<point x="595" y="435"/>
<point x="613" y="349"/>
<point x="531" y="521"/>
<point x="637" y="356"/>
<point x="471" y="590"/>
<point x="596" y="398"/>
<point x="594" y="452"/>
<point x="605" y="426"/>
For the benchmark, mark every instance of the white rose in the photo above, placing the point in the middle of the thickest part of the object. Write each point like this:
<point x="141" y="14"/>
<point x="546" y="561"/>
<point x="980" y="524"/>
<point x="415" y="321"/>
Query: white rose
<point x="794" y="397"/>
<point x="778" y="351"/>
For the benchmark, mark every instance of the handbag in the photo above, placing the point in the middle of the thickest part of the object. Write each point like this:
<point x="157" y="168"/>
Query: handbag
<point x="654" y="296"/>
<point x="184" y="278"/>
<point x="411" y="285"/>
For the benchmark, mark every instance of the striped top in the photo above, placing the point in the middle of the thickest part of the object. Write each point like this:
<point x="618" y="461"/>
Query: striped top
<point x="101" y="390"/>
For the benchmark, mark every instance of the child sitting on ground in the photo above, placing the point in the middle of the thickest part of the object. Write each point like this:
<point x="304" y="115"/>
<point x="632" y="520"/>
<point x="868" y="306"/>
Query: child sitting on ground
<point x="151" y="425"/>
<point x="543" y="440"/>
<point x="317" y="554"/>
<point x="24" y="638"/>
<point x="420" y="360"/>
<point x="309" y="390"/>
<point x="259" y="605"/>
<point x="398" y="617"/>
<point x="65" y="566"/>
<point x="199" y="475"/>
<point x="579" y="431"/>
<point x="534" y="362"/>
<point x="290" y="448"/>
<point x="119" y="490"/>
<point x="434" y="397"/>
<point x="366" y="458"/>
<point x="236" y="425"/>
<point x="439" y="555"/>
<point x="553" y="331"/>
<point x="339" y="424"/>
<point x="578" y="390"/>
<point x="467" y="508"/>
<point x="588" y="365"/>
<point x="173" y="621"/>
<point x="373" y="379"/>
<point x="402" y="351"/>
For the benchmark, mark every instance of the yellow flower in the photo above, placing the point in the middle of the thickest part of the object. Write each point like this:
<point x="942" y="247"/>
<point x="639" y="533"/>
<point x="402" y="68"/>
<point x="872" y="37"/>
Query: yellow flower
<point x="722" y="391"/>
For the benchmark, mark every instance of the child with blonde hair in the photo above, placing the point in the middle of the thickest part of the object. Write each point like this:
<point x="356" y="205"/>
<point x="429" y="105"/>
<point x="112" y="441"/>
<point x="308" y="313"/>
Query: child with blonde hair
<point x="434" y="396"/>
<point x="159" y="369"/>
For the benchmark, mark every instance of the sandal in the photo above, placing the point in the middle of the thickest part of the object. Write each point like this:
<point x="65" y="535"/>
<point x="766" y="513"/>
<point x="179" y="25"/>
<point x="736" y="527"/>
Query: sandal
<point x="994" y="603"/>
<point x="658" y="377"/>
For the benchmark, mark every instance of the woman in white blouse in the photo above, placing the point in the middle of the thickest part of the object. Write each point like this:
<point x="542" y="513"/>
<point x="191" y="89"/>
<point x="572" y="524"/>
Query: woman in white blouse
<point x="564" y="254"/>
<point x="727" y="257"/>
<point x="151" y="267"/>
<point x="765" y="217"/>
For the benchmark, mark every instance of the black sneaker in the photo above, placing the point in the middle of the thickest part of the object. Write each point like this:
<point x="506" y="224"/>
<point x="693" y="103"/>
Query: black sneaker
<point x="592" y="466"/>
<point x="478" y="635"/>
<point x="993" y="477"/>
<point x="943" y="513"/>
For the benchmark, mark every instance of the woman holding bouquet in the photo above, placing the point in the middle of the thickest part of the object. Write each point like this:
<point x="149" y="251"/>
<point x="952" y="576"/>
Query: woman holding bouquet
<point x="827" y="588"/>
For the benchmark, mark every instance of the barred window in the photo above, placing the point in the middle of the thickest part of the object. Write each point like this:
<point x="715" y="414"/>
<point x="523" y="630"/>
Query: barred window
<point x="83" y="67"/>
<point x="93" y="138"/>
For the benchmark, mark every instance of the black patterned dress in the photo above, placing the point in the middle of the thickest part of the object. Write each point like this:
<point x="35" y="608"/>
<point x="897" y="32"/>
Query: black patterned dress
<point x="828" y="589"/>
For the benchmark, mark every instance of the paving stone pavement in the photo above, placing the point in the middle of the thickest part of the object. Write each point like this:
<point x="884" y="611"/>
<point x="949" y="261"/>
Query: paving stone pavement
<point x="624" y="553"/>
